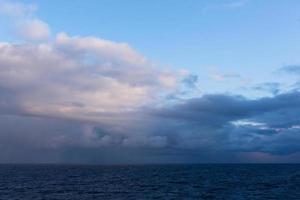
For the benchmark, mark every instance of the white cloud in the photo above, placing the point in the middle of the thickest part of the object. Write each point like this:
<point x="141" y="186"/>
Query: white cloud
<point x="33" y="30"/>
<point x="107" y="49"/>
<point x="54" y="79"/>
<point x="25" y="24"/>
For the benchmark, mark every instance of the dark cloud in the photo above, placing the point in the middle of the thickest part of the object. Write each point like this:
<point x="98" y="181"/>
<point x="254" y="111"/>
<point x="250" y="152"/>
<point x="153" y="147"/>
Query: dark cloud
<point x="191" y="131"/>
<point x="222" y="122"/>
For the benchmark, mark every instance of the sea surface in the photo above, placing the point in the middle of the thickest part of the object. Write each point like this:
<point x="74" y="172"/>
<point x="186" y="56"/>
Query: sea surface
<point x="207" y="181"/>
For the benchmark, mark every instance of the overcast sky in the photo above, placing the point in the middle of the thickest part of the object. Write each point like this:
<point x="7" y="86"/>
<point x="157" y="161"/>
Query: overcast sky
<point x="112" y="82"/>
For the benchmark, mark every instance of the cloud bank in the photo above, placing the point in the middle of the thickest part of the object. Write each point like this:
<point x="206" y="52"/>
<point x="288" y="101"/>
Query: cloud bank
<point x="81" y="99"/>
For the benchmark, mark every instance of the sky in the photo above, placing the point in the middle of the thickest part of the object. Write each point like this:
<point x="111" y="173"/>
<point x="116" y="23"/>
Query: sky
<point x="118" y="82"/>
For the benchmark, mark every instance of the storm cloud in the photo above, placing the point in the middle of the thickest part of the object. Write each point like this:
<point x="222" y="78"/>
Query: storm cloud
<point x="205" y="129"/>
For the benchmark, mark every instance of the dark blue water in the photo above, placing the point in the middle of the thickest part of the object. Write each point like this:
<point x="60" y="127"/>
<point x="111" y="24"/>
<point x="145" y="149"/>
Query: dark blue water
<point x="150" y="182"/>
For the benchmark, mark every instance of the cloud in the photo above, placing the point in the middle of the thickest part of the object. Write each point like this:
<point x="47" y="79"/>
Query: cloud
<point x="233" y="124"/>
<point x="190" y="81"/>
<point x="16" y="9"/>
<point x="79" y="77"/>
<point x="25" y="24"/>
<point x="271" y="87"/>
<point x="103" y="95"/>
<point x="219" y="76"/>
<point x="292" y="69"/>
<point x="91" y="100"/>
<point x="75" y="92"/>
<point x="218" y="125"/>
<point x="33" y="30"/>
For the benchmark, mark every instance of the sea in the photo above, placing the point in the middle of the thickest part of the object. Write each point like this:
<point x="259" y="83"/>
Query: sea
<point x="196" y="181"/>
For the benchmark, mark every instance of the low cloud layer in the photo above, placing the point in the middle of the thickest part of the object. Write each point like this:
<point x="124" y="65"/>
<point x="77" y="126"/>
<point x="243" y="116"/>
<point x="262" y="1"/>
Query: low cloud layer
<point x="211" y="128"/>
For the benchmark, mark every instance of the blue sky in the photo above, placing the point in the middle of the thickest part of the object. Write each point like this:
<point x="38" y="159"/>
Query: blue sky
<point x="217" y="74"/>
<point x="240" y="37"/>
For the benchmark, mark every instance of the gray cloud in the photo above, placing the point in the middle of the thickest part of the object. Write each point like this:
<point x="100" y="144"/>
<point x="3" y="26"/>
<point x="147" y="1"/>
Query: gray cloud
<point x="293" y="69"/>
<point x="190" y="81"/>
<point x="236" y="123"/>
<point x="222" y="126"/>
<point x="271" y="87"/>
